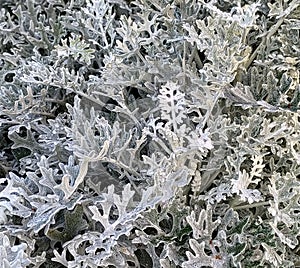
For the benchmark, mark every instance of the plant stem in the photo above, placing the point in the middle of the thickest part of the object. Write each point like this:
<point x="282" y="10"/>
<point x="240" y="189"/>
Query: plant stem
<point x="258" y="204"/>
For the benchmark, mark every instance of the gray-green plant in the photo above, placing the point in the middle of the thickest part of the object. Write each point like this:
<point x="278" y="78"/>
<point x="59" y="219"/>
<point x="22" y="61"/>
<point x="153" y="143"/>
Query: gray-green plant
<point x="160" y="133"/>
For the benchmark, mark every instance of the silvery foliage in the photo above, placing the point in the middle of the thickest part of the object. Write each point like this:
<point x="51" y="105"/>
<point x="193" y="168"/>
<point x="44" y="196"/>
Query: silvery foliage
<point x="149" y="133"/>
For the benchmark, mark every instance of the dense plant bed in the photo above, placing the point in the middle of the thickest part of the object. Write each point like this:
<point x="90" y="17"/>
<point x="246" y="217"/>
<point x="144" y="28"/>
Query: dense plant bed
<point x="149" y="133"/>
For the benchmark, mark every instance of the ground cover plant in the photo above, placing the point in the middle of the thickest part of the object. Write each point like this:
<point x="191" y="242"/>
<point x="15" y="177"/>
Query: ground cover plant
<point x="149" y="133"/>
